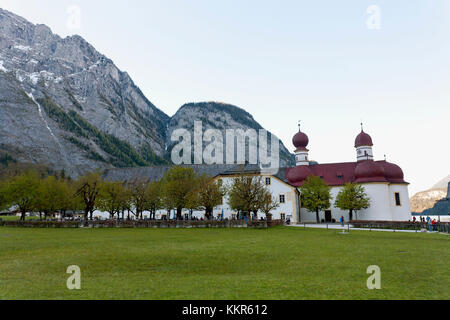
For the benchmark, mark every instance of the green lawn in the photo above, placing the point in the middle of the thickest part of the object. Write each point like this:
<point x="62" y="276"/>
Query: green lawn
<point x="280" y="263"/>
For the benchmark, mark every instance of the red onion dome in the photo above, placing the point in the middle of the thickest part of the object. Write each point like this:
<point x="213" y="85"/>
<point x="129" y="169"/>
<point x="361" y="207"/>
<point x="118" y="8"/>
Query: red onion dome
<point x="300" y="141"/>
<point x="363" y="139"/>
<point x="298" y="174"/>
<point x="369" y="171"/>
<point x="393" y="172"/>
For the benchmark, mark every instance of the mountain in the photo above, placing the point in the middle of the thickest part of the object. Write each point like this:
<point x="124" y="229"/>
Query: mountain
<point x="442" y="184"/>
<point x="65" y="105"/>
<point x="424" y="200"/>
<point x="215" y="115"/>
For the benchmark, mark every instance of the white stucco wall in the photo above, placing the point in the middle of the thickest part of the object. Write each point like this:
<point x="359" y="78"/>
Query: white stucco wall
<point x="277" y="188"/>
<point x="382" y="208"/>
<point x="402" y="212"/>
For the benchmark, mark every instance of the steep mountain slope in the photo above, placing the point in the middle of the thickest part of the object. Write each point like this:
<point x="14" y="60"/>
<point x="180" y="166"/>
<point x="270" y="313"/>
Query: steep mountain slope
<point x="64" y="104"/>
<point x="67" y="106"/>
<point x="214" y="115"/>
<point x="424" y="200"/>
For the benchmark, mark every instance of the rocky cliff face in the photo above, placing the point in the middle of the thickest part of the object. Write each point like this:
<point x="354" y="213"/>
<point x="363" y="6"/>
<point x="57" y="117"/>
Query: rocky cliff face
<point x="424" y="200"/>
<point x="65" y="105"/>
<point x="214" y="115"/>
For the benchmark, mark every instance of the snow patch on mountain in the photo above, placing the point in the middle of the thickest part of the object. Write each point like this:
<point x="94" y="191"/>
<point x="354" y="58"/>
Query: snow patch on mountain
<point x="2" y="68"/>
<point x="22" y="48"/>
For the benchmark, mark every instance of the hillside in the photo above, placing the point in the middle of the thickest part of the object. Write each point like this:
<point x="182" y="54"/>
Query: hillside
<point x="65" y="105"/>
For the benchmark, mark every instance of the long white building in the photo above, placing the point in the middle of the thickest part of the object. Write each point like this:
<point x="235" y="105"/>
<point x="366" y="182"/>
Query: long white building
<point x="383" y="183"/>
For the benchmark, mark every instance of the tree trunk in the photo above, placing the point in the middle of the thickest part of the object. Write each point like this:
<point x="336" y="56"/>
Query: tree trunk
<point x="90" y="214"/>
<point x="179" y="212"/>
<point x="208" y="213"/>
<point x="351" y="215"/>
<point x="317" y="216"/>
<point x="40" y="216"/>
<point x="86" y="214"/>
<point x="22" y="216"/>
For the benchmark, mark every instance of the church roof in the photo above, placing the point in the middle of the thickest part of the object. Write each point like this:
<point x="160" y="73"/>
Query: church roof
<point x="338" y="174"/>
<point x="363" y="139"/>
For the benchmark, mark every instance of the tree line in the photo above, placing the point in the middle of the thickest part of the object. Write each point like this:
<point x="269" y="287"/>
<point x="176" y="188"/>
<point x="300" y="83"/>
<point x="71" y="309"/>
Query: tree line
<point x="180" y="188"/>
<point x="40" y="191"/>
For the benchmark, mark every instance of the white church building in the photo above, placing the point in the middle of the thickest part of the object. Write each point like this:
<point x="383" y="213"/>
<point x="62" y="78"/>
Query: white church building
<point x="383" y="182"/>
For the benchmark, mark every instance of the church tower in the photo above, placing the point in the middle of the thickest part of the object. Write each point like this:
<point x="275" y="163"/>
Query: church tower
<point x="300" y="142"/>
<point x="363" y="145"/>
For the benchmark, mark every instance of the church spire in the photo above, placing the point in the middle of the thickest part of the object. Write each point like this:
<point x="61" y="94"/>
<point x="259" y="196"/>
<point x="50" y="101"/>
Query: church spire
<point x="363" y="145"/>
<point x="300" y="142"/>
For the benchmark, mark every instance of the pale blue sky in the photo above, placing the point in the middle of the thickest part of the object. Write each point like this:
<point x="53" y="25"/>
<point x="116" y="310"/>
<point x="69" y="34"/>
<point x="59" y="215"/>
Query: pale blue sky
<point x="288" y="60"/>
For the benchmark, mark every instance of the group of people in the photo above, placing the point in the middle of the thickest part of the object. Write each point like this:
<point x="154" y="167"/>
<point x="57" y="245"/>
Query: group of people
<point x="432" y="223"/>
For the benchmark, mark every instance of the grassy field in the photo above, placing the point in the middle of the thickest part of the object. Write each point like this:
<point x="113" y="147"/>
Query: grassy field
<point x="280" y="263"/>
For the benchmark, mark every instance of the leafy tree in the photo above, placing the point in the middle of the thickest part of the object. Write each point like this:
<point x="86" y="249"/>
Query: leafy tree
<point x="3" y="201"/>
<point x="139" y="196"/>
<point x="177" y="186"/>
<point x="247" y="194"/>
<point x="69" y="200"/>
<point x="125" y="201"/>
<point x="269" y="205"/>
<point x="208" y="195"/>
<point x="22" y="191"/>
<point x="88" y="189"/>
<point x="109" y="198"/>
<point x="352" y="198"/>
<point x="50" y="196"/>
<point x="154" y="198"/>
<point x="315" y="195"/>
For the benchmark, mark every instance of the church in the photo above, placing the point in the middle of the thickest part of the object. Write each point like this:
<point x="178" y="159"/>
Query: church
<point x="383" y="182"/>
